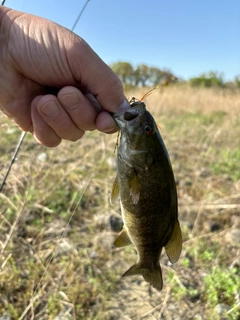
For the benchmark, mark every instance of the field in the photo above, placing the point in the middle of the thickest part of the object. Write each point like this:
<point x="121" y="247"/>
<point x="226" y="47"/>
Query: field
<point x="57" y="226"/>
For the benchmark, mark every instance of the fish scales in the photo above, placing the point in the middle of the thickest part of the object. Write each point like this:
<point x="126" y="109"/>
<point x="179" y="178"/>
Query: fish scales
<point x="147" y="191"/>
<point x="150" y="226"/>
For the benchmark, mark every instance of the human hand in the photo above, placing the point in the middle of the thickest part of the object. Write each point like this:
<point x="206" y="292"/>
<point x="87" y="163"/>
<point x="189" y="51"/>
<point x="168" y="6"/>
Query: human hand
<point x="52" y="83"/>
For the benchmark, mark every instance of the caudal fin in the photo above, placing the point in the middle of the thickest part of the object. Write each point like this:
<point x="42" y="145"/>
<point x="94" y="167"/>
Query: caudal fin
<point x="153" y="275"/>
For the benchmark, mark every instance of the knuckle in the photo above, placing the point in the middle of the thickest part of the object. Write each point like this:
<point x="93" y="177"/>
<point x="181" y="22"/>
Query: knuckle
<point x="77" y="137"/>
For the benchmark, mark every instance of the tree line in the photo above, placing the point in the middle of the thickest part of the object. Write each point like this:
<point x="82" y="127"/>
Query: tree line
<point x="143" y="75"/>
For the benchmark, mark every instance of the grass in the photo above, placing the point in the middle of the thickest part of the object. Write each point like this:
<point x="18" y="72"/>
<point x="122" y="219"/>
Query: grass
<point x="56" y="235"/>
<point x="221" y="287"/>
<point x="228" y="163"/>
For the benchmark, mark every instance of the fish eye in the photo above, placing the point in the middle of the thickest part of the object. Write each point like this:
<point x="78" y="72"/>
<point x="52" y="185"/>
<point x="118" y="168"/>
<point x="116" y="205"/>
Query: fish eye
<point x="148" y="130"/>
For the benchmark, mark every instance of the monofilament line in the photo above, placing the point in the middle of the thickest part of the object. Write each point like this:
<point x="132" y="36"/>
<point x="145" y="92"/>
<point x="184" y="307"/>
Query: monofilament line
<point x="79" y="16"/>
<point x="13" y="159"/>
<point x="15" y="152"/>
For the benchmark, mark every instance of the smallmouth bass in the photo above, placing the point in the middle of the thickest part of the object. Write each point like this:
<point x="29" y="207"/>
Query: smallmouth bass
<point x="148" y="198"/>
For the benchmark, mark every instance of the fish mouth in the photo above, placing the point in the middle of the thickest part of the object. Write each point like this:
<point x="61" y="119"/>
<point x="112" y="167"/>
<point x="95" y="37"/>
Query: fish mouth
<point x="126" y="116"/>
<point x="130" y="115"/>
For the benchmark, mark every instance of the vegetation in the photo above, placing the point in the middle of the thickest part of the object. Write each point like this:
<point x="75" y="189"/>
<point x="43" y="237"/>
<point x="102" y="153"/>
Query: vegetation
<point x="57" y="226"/>
<point x="228" y="163"/>
<point x="143" y="75"/>
<point x="222" y="287"/>
<point x="237" y="82"/>
<point x="212" y="79"/>
<point x="140" y="76"/>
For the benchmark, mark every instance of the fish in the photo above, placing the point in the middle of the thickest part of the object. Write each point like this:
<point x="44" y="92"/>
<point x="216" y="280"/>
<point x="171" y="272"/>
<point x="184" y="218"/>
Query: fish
<point x="147" y="191"/>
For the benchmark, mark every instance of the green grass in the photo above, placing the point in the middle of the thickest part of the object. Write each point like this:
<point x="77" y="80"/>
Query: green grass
<point x="227" y="162"/>
<point x="222" y="286"/>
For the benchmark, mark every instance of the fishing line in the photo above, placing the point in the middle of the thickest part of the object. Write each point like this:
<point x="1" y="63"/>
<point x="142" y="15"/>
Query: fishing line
<point x="15" y="152"/>
<point x="13" y="159"/>
<point x="79" y="16"/>
<point x="24" y="133"/>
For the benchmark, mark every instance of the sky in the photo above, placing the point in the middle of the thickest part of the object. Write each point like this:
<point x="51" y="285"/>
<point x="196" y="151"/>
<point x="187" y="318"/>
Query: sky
<point x="186" y="37"/>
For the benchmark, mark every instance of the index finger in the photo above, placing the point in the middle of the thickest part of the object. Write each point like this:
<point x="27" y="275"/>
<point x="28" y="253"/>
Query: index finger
<point x="95" y="75"/>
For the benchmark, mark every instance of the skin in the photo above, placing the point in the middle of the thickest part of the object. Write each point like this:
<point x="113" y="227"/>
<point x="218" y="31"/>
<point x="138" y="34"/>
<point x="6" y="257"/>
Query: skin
<point x="52" y="83"/>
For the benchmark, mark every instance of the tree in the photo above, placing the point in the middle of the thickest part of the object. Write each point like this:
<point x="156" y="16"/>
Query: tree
<point x="157" y="75"/>
<point x="142" y="75"/>
<point x="211" y="79"/>
<point x="237" y="81"/>
<point x="124" y="70"/>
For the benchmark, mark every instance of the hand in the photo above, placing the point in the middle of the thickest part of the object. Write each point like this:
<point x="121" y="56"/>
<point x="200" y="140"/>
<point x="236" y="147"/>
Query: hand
<point x="52" y="83"/>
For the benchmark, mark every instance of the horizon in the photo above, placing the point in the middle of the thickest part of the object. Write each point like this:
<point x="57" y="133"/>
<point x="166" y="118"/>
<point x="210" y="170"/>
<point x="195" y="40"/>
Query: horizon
<point x="185" y="38"/>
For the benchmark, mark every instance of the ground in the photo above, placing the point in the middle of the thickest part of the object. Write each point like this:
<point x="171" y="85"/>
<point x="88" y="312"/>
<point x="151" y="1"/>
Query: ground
<point x="57" y="226"/>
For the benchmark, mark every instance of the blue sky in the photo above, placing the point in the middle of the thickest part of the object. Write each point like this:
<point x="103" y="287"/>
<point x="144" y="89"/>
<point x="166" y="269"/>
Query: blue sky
<point x="187" y="37"/>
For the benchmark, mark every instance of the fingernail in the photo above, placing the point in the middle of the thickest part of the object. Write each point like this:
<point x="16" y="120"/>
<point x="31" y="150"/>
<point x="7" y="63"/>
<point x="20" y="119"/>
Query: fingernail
<point x="70" y="101"/>
<point x="110" y="129"/>
<point x="124" y="106"/>
<point x="50" y="109"/>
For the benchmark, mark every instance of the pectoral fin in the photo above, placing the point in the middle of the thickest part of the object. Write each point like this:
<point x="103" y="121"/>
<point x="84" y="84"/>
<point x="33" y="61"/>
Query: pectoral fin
<point x="115" y="191"/>
<point x="122" y="239"/>
<point x="174" y="245"/>
<point x="134" y="188"/>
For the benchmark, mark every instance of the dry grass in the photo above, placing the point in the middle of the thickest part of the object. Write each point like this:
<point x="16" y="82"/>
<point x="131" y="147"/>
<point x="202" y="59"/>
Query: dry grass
<point x="181" y="97"/>
<point x="57" y="226"/>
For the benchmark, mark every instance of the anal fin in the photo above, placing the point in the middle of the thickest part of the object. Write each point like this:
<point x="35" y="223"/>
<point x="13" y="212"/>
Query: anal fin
<point x="174" y="245"/>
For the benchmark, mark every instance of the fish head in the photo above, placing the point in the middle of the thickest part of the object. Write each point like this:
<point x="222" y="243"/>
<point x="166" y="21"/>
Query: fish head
<point x="137" y="126"/>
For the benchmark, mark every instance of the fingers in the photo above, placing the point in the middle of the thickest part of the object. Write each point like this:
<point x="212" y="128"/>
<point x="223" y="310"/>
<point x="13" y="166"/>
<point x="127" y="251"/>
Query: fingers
<point x="106" y="123"/>
<point x="66" y="116"/>
<point x="42" y="132"/>
<point x="82" y="109"/>
<point x="69" y="63"/>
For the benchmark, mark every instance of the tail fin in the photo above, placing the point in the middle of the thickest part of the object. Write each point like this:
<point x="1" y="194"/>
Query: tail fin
<point x="151" y="275"/>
